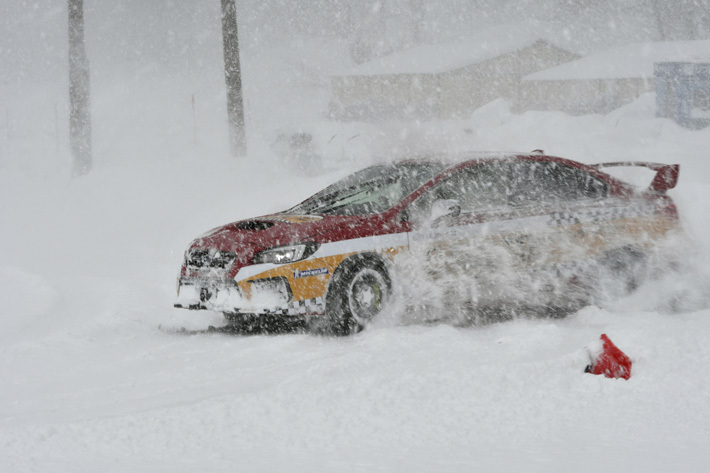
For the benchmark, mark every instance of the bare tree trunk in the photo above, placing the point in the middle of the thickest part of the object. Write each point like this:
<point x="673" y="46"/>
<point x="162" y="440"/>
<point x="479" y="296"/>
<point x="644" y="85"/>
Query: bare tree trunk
<point x="79" y="92"/>
<point x="659" y="20"/>
<point x="233" y="77"/>
<point x="418" y="16"/>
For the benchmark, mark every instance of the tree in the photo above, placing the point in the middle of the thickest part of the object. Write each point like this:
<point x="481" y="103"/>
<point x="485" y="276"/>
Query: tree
<point x="79" y="92"/>
<point x="233" y="78"/>
<point x="658" y="17"/>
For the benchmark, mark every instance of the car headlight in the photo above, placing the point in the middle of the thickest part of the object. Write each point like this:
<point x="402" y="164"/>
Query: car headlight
<point x="286" y="254"/>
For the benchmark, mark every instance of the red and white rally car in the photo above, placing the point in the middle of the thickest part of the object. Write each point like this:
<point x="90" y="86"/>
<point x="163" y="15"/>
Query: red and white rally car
<point x="331" y="260"/>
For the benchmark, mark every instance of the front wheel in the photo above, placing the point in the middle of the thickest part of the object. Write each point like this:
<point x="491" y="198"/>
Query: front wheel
<point x="358" y="292"/>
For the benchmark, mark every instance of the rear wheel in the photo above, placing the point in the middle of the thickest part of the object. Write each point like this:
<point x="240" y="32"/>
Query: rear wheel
<point x="357" y="293"/>
<point x="624" y="270"/>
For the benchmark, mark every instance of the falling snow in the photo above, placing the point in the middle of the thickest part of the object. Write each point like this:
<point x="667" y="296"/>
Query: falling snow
<point x="90" y="381"/>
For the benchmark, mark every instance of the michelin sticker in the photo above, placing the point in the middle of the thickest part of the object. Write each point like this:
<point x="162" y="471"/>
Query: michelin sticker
<point x="309" y="272"/>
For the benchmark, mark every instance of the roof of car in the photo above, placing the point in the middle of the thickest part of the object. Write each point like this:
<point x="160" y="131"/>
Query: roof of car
<point x="449" y="160"/>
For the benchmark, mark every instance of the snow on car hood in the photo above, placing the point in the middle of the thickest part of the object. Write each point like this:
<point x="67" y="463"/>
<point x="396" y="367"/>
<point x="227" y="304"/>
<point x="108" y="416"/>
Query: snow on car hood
<point x="269" y="230"/>
<point x="247" y="237"/>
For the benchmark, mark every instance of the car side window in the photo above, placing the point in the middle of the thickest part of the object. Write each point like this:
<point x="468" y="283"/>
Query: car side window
<point x="534" y="181"/>
<point x="476" y="188"/>
<point x="591" y="187"/>
<point x="481" y="187"/>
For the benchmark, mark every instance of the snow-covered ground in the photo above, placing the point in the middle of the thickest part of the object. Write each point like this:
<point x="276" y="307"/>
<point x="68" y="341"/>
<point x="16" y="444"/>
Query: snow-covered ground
<point x="89" y="382"/>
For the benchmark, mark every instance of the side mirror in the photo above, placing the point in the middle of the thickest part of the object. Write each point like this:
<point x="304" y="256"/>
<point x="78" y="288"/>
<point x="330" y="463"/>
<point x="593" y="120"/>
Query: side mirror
<point x="445" y="208"/>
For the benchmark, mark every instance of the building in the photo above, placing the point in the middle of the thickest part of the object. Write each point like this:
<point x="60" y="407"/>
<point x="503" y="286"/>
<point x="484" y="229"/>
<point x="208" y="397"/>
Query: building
<point x="604" y="81"/>
<point x="442" y="80"/>
<point x="683" y="93"/>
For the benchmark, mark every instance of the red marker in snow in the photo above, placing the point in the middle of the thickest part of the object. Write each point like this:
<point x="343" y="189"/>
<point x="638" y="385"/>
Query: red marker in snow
<point x="610" y="361"/>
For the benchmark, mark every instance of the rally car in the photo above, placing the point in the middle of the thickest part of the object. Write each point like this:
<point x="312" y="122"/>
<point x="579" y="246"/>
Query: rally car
<point x="331" y="260"/>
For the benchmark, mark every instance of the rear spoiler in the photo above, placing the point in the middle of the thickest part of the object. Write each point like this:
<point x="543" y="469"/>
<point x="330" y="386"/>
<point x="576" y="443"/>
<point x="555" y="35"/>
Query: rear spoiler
<point x="666" y="174"/>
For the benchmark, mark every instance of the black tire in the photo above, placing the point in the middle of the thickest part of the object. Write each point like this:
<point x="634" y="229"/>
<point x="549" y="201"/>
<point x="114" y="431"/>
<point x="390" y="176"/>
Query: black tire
<point x="625" y="269"/>
<point x="357" y="293"/>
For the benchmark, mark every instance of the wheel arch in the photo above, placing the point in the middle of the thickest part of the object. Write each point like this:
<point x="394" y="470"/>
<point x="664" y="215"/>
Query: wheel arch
<point x="367" y="258"/>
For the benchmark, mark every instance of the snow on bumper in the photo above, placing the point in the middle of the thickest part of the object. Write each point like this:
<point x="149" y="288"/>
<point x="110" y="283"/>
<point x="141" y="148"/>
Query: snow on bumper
<point x="196" y="294"/>
<point x="229" y="298"/>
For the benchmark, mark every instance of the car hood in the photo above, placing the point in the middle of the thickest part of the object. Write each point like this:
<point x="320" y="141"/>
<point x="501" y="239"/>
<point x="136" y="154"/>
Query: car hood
<point x="247" y="237"/>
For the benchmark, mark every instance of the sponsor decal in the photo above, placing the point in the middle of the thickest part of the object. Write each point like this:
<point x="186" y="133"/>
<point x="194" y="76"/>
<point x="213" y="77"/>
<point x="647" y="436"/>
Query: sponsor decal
<point x="309" y="272"/>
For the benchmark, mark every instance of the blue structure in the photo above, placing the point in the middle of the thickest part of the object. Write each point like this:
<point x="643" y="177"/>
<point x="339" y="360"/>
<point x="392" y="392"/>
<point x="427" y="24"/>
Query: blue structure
<point x="683" y="93"/>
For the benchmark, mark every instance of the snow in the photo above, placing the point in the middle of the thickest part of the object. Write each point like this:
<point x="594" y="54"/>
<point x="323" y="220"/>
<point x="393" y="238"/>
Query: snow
<point x="92" y="383"/>
<point x="504" y="397"/>
<point x="445" y="57"/>
<point x="87" y="275"/>
<point x="630" y="61"/>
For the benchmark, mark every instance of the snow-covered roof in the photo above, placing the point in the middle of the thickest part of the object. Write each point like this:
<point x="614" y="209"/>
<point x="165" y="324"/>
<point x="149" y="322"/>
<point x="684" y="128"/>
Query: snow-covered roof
<point x="630" y="61"/>
<point x="444" y="57"/>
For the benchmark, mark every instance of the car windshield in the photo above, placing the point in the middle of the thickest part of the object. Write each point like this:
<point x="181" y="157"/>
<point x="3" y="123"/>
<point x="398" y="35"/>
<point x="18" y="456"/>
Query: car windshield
<point x="372" y="190"/>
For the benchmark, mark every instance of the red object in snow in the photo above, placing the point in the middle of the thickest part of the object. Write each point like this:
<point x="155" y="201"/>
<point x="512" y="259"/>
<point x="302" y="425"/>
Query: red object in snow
<point x="611" y="362"/>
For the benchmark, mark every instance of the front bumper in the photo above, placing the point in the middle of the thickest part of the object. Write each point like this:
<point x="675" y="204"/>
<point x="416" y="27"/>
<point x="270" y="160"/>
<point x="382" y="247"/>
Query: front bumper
<point x="207" y="294"/>
<point x="267" y="296"/>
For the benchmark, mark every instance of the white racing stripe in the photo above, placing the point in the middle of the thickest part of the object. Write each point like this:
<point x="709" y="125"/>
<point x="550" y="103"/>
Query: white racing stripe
<point x="370" y="243"/>
<point x="548" y="220"/>
<point x="488" y="228"/>
<point x="397" y="240"/>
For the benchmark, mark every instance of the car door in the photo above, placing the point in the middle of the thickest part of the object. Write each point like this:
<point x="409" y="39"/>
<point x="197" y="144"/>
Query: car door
<point x="467" y="241"/>
<point x="562" y="202"/>
<point x="520" y="221"/>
